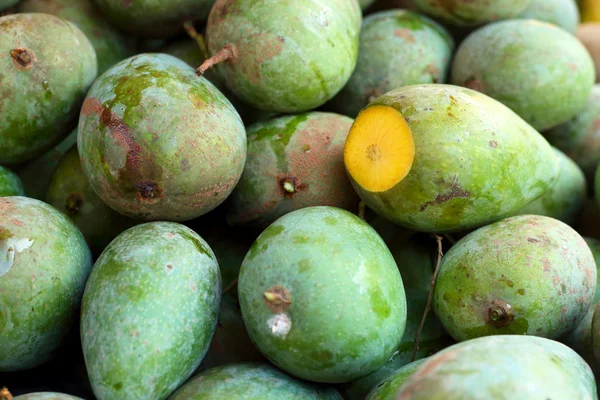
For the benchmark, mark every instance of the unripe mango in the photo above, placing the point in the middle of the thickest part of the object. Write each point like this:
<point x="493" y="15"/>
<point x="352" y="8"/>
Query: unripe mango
<point x="471" y="12"/>
<point x="10" y="184"/>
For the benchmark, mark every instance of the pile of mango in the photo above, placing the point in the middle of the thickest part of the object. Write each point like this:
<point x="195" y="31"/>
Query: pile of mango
<point x="299" y="199"/>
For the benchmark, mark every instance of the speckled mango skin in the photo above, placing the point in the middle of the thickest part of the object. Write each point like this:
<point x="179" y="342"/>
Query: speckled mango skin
<point x="327" y="259"/>
<point x="304" y="150"/>
<point x="39" y="102"/>
<point x="471" y="12"/>
<point x="465" y="172"/>
<point x="10" y="184"/>
<point x="153" y="18"/>
<point x="110" y="45"/>
<point x="47" y="396"/>
<point x="149" y="311"/>
<point x="40" y="291"/>
<point x="71" y="194"/>
<point x="537" y="271"/>
<point x="397" y="48"/>
<point x="387" y="389"/>
<point x="510" y="367"/>
<point x="537" y="69"/>
<point x="250" y="381"/>
<point x="562" y="13"/>
<point x="291" y="56"/>
<point x="158" y="143"/>
<point x="579" y="138"/>
<point x="563" y="201"/>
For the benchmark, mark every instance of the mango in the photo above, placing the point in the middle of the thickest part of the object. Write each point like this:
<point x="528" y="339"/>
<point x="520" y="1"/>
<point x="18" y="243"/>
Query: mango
<point x="537" y="69"/>
<point x="525" y="275"/>
<point x="250" y="381"/>
<point x="397" y="48"/>
<point x="293" y="161"/>
<point x="48" y="66"/>
<point x="471" y="12"/>
<point x="153" y="18"/>
<point x="71" y="194"/>
<point x="440" y="158"/>
<point x="150" y="161"/>
<point x="5" y="4"/>
<point x="47" y="396"/>
<point x="149" y="311"/>
<point x="579" y="138"/>
<point x="281" y="57"/>
<point x="44" y="264"/>
<point x="562" y="13"/>
<point x="387" y="389"/>
<point x="501" y="368"/>
<point x="590" y="11"/>
<point x="365" y="3"/>
<point x="296" y="283"/>
<point x="589" y="35"/>
<point x="10" y="184"/>
<point x="563" y="201"/>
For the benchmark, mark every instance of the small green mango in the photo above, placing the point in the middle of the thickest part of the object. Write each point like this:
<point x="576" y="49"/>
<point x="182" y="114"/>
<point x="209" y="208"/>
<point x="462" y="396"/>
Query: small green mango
<point x="10" y="183"/>
<point x="47" y="396"/>
<point x="537" y="69"/>
<point x="250" y="381"/>
<point x="387" y="389"/>
<point x="284" y="57"/>
<point x="562" y="13"/>
<point x="526" y="275"/>
<point x="295" y="286"/>
<point x="149" y="311"/>
<point x="44" y="264"/>
<point x="397" y="48"/>
<point x="464" y="172"/>
<point x="47" y="66"/>
<point x="471" y="12"/>
<point x="512" y="367"/>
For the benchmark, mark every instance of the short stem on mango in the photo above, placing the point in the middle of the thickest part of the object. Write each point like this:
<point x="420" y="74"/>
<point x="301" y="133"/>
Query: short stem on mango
<point x="362" y="208"/>
<point x="228" y="52"/>
<point x="289" y="187"/>
<point x="193" y="33"/>
<point x="230" y="287"/>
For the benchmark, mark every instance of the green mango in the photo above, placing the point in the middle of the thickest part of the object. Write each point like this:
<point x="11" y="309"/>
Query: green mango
<point x="111" y="45"/>
<point x="562" y="13"/>
<point x="511" y="367"/>
<point x="250" y="381"/>
<point x="526" y="275"/>
<point x="150" y="161"/>
<point x="295" y="286"/>
<point x="44" y="264"/>
<point x="471" y="12"/>
<point x="284" y="56"/>
<point x="71" y="194"/>
<point x="397" y="48"/>
<point x="464" y="173"/>
<point x="387" y="389"/>
<point x="365" y="3"/>
<point x="10" y="183"/>
<point x="293" y="161"/>
<point x="47" y="67"/>
<point x="540" y="71"/>
<point x="5" y="4"/>
<point x="149" y="311"/>
<point x="47" y="396"/>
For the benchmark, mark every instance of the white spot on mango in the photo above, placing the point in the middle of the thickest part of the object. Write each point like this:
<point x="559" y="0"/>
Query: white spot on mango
<point x="280" y="325"/>
<point x="8" y="248"/>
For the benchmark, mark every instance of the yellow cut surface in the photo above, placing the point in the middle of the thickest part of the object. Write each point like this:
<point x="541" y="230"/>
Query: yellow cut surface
<point x="379" y="150"/>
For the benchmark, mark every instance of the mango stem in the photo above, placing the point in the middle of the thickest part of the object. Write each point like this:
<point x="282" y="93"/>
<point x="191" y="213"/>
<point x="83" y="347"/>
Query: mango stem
<point x="228" y="52"/>
<point x="362" y="208"/>
<point x="5" y="394"/>
<point x="193" y="33"/>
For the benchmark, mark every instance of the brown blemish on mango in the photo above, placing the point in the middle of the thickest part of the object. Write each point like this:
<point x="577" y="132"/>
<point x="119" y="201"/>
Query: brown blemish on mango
<point x="278" y="299"/>
<point x="456" y="191"/>
<point x="24" y="59"/>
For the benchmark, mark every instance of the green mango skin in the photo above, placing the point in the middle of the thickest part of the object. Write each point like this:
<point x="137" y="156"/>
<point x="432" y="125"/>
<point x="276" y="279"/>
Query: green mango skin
<point x="110" y="45"/>
<point x="537" y="69"/>
<point x="579" y="138"/>
<point x="511" y="367"/>
<point x="433" y="339"/>
<point x="397" y="48"/>
<point x="464" y="172"/>
<point x="291" y="57"/>
<point x="149" y="311"/>
<point x="47" y="396"/>
<point x="10" y="184"/>
<point x="563" y="201"/>
<point x="471" y="12"/>
<point x="250" y="381"/>
<point x="41" y="284"/>
<point x="562" y="13"/>
<point x="150" y="161"/>
<point x="40" y="100"/>
<point x="5" y="4"/>
<point x="154" y="18"/>
<point x="536" y="271"/>
<point x="71" y="194"/>
<point x="305" y="151"/>
<point x="387" y="389"/>
<point x="326" y="258"/>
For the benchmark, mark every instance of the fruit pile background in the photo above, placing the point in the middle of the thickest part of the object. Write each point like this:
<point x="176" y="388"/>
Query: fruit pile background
<point x="299" y="199"/>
